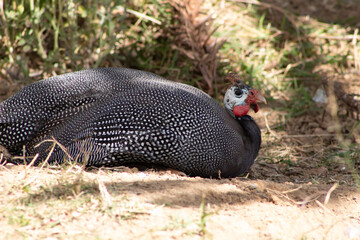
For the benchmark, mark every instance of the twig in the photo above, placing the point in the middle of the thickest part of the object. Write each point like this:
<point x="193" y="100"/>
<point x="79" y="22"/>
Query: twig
<point x="282" y="195"/>
<point x="268" y="127"/>
<point x="292" y="190"/>
<point x="53" y="140"/>
<point x="49" y="155"/>
<point x="304" y="135"/>
<point x="30" y="164"/>
<point x="354" y="42"/>
<point x="1" y="160"/>
<point x="310" y="198"/>
<point x="328" y="194"/>
<point x="143" y="16"/>
<point x="33" y="161"/>
<point x="323" y="207"/>
<point x="104" y="193"/>
<point x="340" y="38"/>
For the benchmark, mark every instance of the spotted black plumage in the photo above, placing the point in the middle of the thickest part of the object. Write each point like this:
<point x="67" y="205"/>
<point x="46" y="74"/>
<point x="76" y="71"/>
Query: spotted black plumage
<point x="113" y="116"/>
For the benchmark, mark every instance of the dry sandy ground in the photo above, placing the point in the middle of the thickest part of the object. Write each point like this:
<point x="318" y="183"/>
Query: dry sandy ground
<point x="58" y="203"/>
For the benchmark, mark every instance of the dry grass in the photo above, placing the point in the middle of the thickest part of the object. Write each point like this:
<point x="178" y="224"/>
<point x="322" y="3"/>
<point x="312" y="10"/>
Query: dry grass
<point x="194" y="38"/>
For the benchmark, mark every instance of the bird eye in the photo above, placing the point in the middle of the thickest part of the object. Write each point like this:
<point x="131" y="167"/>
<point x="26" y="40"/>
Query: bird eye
<point x="238" y="92"/>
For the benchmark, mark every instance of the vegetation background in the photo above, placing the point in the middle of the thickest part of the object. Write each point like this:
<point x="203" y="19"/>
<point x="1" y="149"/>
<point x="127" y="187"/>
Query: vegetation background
<point x="303" y="55"/>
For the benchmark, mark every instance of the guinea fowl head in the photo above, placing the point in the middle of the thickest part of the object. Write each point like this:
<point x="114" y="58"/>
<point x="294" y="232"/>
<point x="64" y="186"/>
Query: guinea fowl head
<point x="239" y="98"/>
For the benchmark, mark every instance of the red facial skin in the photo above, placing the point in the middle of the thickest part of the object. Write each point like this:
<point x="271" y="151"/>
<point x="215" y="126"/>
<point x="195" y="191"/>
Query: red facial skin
<point x="251" y="102"/>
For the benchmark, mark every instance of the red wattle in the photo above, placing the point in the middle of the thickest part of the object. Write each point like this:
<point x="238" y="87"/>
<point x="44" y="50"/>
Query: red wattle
<point x="255" y="107"/>
<point x="241" y="110"/>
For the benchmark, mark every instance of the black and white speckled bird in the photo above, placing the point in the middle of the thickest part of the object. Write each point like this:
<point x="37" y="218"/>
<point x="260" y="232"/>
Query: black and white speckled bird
<point x="115" y="116"/>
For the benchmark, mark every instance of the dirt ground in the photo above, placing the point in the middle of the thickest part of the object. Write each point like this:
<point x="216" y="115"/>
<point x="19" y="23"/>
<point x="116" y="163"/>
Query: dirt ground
<point x="129" y="204"/>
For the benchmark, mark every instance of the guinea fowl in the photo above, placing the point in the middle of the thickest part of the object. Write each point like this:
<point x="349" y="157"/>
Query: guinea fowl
<point x="117" y="116"/>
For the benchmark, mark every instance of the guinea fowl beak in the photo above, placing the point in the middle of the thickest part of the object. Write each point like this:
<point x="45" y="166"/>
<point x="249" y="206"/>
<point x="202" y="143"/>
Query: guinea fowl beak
<point x="256" y="98"/>
<point x="260" y="98"/>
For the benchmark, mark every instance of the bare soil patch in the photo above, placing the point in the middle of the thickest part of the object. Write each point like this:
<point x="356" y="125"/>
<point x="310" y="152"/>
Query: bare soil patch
<point x="55" y="203"/>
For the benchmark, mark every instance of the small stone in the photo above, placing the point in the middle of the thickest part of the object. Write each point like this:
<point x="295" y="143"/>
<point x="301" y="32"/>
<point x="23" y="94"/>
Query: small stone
<point x="252" y="186"/>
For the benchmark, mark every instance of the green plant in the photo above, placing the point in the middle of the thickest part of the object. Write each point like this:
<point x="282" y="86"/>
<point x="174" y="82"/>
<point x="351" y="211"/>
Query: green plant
<point x="204" y="215"/>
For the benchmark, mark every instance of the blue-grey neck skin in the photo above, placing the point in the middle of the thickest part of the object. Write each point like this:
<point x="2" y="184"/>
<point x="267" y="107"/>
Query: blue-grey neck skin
<point x="115" y="116"/>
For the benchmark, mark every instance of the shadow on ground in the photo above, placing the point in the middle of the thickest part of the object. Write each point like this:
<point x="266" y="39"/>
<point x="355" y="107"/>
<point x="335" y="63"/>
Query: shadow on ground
<point x="164" y="188"/>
